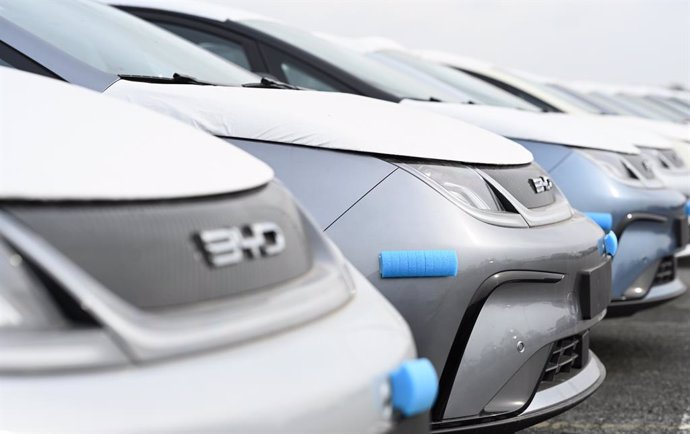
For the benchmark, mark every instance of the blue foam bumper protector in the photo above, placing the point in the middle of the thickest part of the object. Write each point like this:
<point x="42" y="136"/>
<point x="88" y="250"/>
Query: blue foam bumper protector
<point x="603" y="219"/>
<point x="418" y="263"/>
<point x="414" y="386"/>
<point x="611" y="243"/>
<point x="687" y="208"/>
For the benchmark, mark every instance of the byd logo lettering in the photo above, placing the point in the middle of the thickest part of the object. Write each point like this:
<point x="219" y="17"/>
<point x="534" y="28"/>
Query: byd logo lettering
<point x="228" y="246"/>
<point x="541" y="184"/>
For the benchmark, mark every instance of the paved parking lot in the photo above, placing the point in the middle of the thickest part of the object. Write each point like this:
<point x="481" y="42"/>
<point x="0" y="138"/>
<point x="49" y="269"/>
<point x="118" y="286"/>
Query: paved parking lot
<point x="647" y="389"/>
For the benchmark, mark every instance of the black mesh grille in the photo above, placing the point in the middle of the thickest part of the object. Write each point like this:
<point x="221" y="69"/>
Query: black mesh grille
<point x="666" y="271"/>
<point x="148" y="253"/>
<point x="568" y="357"/>
<point x="520" y="182"/>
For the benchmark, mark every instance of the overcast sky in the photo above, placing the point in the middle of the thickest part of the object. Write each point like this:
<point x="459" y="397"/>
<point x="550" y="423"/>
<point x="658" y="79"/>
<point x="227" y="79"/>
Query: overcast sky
<point x="626" y="41"/>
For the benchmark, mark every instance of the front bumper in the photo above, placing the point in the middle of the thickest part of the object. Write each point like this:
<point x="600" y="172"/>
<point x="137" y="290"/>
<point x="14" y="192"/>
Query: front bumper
<point x="545" y="404"/>
<point x="685" y="252"/>
<point x="657" y="294"/>
<point x="329" y="375"/>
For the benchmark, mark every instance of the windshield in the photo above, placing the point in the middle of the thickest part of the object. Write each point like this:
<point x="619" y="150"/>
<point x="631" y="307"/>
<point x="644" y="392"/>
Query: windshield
<point x="573" y="97"/>
<point x="473" y="88"/>
<point x="358" y="65"/>
<point x="118" y="43"/>
<point x="652" y="110"/>
<point x="671" y="103"/>
<point x="620" y="106"/>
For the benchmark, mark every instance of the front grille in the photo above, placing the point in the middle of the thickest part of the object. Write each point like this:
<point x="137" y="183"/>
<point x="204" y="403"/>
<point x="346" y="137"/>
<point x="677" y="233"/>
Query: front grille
<point x="666" y="271"/>
<point x="568" y="356"/>
<point x="150" y="255"/>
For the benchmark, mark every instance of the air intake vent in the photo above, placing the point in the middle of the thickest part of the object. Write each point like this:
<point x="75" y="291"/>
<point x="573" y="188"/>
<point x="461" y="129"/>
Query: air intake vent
<point x="568" y="356"/>
<point x="666" y="271"/>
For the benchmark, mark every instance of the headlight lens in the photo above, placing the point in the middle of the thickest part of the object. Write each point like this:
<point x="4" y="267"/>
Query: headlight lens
<point x="462" y="184"/>
<point x="666" y="158"/>
<point x="614" y="163"/>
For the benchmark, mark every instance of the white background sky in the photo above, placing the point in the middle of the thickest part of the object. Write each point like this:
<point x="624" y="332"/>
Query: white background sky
<point x="626" y="41"/>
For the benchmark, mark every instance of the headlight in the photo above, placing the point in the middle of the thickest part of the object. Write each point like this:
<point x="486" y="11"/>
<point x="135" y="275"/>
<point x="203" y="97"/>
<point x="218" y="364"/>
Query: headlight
<point x="462" y="184"/>
<point x="498" y="196"/>
<point x="633" y="169"/>
<point x="612" y="162"/>
<point x="467" y="189"/>
<point x="665" y="158"/>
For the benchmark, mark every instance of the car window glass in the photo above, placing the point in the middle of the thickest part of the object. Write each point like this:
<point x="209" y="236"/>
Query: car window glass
<point x="472" y="88"/>
<point x="670" y="102"/>
<point x="633" y="106"/>
<point x="299" y="77"/>
<point x="575" y="98"/>
<point x="225" y="48"/>
<point x="118" y="43"/>
<point x="369" y="70"/>
<point x="660" y="110"/>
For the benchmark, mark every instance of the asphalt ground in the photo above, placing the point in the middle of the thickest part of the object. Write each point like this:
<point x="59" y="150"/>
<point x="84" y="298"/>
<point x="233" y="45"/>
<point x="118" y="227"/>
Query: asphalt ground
<point x="647" y="388"/>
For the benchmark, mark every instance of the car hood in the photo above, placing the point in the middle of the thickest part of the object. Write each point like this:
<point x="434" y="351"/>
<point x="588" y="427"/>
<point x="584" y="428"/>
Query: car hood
<point x="324" y="120"/>
<point x="668" y="130"/>
<point x="555" y="128"/>
<point x="62" y="142"/>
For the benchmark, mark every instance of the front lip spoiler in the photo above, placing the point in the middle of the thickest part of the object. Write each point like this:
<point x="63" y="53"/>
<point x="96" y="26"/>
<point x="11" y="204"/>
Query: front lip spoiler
<point x="528" y="417"/>
<point x="657" y="295"/>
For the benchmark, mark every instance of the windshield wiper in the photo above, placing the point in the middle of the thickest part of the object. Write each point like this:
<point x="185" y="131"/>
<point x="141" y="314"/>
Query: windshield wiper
<point x="430" y="99"/>
<point x="175" y="79"/>
<point x="269" y="83"/>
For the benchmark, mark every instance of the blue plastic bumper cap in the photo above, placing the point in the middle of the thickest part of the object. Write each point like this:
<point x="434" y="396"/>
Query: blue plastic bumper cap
<point x="603" y="219"/>
<point x="418" y="263"/>
<point x="611" y="243"/>
<point x="414" y="386"/>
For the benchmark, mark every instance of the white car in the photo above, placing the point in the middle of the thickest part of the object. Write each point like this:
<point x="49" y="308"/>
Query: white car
<point x="157" y="279"/>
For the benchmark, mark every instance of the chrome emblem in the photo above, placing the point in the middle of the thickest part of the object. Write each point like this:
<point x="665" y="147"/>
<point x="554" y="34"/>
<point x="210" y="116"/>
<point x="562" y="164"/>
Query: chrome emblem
<point x="541" y="184"/>
<point x="228" y="246"/>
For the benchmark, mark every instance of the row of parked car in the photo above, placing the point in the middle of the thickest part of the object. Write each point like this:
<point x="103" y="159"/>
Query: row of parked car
<point x="418" y="242"/>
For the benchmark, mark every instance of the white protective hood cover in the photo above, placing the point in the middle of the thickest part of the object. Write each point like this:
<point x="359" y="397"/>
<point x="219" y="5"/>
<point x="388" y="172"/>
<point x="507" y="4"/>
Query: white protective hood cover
<point x="324" y="120"/>
<point x="556" y="128"/>
<point x="59" y="141"/>
<point x="668" y="130"/>
<point x="519" y="124"/>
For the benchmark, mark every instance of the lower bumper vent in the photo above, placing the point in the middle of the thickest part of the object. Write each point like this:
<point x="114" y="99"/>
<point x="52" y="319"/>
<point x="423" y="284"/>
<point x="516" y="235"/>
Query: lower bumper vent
<point x="568" y="356"/>
<point x="666" y="271"/>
